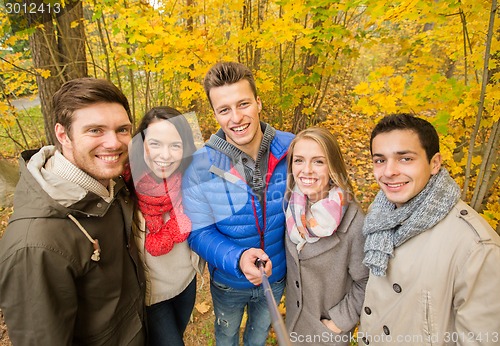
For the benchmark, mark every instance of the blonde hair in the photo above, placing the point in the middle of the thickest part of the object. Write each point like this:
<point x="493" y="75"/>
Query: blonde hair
<point x="337" y="169"/>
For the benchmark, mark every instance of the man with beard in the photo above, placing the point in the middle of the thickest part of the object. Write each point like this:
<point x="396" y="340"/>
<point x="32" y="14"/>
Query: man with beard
<point x="69" y="270"/>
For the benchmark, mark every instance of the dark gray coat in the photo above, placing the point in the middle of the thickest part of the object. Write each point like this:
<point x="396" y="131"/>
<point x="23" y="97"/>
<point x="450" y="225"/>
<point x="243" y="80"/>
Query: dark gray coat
<point x="327" y="280"/>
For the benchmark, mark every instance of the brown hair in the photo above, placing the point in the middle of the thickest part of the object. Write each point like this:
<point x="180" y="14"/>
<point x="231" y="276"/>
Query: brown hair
<point x="336" y="165"/>
<point x="227" y="73"/>
<point x="84" y="92"/>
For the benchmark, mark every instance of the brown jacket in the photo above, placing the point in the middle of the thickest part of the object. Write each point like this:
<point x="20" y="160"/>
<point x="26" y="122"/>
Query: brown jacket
<point x="441" y="287"/>
<point x="51" y="291"/>
<point x="326" y="280"/>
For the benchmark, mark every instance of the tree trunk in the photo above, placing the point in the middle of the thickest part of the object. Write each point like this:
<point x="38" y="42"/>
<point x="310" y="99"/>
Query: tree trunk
<point x="300" y="120"/>
<point x="43" y="45"/>
<point x="62" y="53"/>
<point x="485" y="172"/>
<point x="71" y="41"/>
<point x="481" y="98"/>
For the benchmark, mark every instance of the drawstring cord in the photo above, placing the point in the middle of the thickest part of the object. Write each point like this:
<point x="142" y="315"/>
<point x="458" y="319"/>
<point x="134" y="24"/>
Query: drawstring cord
<point x="96" y="256"/>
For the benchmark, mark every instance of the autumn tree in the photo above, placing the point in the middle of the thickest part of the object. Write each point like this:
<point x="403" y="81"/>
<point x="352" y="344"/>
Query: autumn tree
<point x="58" y="50"/>
<point x="315" y="62"/>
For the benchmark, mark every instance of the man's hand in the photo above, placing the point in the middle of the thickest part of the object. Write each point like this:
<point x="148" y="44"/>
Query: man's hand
<point x="331" y="325"/>
<point x="248" y="267"/>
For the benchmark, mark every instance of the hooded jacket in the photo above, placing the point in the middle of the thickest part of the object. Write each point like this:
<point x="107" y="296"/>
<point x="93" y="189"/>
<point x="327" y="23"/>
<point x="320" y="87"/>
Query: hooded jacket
<point x="228" y="217"/>
<point x="51" y="291"/>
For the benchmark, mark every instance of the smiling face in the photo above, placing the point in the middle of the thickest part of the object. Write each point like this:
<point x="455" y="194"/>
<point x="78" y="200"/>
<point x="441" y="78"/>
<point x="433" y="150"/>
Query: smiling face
<point x="163" y="148"/>
<point x="237" y="112"/>
<point x="401" y="166"/>
<point x="98" y="140"/>
<point x="310" y="169"/>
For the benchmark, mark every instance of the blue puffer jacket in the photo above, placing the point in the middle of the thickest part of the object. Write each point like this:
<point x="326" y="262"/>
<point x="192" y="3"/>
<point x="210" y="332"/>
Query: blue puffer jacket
<point x="227" y="216"/>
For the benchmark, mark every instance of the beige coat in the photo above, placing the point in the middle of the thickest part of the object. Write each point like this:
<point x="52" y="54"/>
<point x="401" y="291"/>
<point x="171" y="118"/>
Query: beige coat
<point x="441" y="288"/>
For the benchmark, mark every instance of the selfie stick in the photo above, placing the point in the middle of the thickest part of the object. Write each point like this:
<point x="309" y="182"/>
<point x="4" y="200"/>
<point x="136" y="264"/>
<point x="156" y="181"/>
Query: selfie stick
<point x="276" y="320"/>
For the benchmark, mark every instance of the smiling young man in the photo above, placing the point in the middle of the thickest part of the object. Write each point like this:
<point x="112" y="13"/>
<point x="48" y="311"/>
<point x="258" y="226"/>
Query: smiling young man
<point x="434" y="261"/>
<point x="233" y="193"/>
<point x="69" y="272"/>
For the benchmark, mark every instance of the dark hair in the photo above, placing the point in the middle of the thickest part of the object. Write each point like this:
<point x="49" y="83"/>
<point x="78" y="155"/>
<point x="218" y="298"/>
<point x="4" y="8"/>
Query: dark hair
<point x="227" y="73"/>
<point x="427" y="134"/>
<point x="84" y="92"/>
<point x="172" y="115"/>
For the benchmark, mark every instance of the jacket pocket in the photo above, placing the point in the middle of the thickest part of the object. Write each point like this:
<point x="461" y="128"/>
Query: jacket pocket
<point x="220" y="286"/>
<point x="428" y="322"/>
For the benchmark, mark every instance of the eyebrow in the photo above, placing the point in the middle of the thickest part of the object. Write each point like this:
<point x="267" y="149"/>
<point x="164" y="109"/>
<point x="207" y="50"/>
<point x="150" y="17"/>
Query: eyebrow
<point x="314" y="157"/>
<point x="159" y="140"/>
<point x="88" y="126"/>
<point x="399" y="153"/>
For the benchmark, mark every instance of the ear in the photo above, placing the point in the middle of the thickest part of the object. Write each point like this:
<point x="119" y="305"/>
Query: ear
<point x="436" y="163"/>
<point x="259" y="103"/>
<point x="62" y="135"/>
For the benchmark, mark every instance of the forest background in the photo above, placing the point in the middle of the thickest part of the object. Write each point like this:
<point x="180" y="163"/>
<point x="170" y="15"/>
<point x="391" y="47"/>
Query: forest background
<point x="339" y="64"/>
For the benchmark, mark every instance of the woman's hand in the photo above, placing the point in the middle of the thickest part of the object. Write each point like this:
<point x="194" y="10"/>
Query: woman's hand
<point x="330" y="325"/>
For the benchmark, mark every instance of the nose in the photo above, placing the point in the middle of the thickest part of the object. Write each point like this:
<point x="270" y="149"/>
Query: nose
<point x="237" y="116"/>
<point x="111" y="140"/>
<point x="391" y="168"/>
<point x="307" y="167"/>
<point x="165" y="153"/>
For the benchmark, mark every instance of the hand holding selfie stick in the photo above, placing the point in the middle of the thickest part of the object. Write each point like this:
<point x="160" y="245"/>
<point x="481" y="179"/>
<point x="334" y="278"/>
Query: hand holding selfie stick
<point x="276" y="320"/>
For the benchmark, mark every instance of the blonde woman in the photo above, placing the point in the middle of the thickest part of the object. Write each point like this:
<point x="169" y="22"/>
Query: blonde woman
<point x="324" y="245"/>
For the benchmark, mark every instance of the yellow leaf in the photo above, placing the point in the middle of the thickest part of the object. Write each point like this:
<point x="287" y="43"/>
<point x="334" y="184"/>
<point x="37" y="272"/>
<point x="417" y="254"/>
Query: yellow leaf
<point x="362" y="88"/>
<point x="44" y="73"/>
<point x="385" y="71"/>
<point x="202" y="307"/>
<point x="397" y="84"/>
<point x="377" y="86"/>
<point x="152" y="49"/>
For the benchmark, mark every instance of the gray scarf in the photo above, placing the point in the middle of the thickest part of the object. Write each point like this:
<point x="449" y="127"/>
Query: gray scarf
<point x="387" y="227"/>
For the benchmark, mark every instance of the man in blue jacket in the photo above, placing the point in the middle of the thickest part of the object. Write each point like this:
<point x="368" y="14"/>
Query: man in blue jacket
<point x="233" y="193"/>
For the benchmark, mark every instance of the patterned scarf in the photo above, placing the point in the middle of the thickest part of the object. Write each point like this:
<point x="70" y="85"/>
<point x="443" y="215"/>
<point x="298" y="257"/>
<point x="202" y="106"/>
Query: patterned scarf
<point x="320" y="220"/>
<point x="387" y="227"/>
<point x="154" y="200"/>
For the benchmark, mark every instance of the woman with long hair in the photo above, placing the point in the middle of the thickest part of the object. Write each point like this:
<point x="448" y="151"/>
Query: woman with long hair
<point x="161" y="150"/>
<point x="324" y="245"/>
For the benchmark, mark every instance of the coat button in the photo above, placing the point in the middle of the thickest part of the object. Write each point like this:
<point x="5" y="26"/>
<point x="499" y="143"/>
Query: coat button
<point x="396" y="288"/>
<point x="365" y="340"/>
<point x="368" y="310"/>
<point x="99" y="205"/>
<point x="464" y="212"/>
<point x="386" y="330"/>
<point x="297" y="284"/>
<point x="298" y="304"/>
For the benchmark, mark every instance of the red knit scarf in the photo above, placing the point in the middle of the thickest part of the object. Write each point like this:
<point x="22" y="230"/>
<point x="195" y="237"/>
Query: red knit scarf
<point x="154" y="200"/>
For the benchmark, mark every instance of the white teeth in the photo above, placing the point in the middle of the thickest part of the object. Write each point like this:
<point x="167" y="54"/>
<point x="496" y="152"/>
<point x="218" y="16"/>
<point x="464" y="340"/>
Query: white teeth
<point x="163" y="164"/>
<point x="396" y="185"/>
<point x="307" y="180"/>
<point x="240" y="128"/>
<point x="109" y="158"/>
